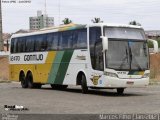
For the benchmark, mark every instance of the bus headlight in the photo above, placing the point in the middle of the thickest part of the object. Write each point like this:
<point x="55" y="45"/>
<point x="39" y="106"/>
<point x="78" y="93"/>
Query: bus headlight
<point x="146" y="75"/>
<point x="110" y="74"/>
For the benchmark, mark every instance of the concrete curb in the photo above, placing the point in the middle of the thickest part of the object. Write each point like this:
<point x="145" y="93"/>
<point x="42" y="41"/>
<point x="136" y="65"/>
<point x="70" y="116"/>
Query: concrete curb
<point x="5" y="81"/>
<point x="154" y="83"/>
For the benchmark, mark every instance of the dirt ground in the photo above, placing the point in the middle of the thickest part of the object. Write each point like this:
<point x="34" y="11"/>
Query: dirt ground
<point x="154" y="67"/>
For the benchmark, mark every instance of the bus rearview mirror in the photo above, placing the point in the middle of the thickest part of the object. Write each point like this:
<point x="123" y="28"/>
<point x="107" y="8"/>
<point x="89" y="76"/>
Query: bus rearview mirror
<point x="104" y="43"/>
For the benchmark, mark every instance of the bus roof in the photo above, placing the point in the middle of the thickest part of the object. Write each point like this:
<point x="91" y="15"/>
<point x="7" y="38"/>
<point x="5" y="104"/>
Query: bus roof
<point x="72" y="27"/>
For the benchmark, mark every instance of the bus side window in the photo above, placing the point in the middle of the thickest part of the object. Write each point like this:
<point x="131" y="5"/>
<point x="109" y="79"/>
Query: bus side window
<point x="40" y="43"/>
<point x="94" y="38"/>
<point x="52" y="41"/>
<point x="30" y="44"/>
<point x="66" y="40"/>
<point x="80" y="39"/>
<point x="43" y="44"/>
<point x="15" y="46"/>
<point x="75" y="38"/>
<point x="21" y="45"/>
<point x="55" y="41"/>
<point x="12" y="45"/>
<point x="37" y="43"/>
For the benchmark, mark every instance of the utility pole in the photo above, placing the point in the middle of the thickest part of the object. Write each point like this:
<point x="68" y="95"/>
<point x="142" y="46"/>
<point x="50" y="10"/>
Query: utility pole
<point x="1" y="38"/>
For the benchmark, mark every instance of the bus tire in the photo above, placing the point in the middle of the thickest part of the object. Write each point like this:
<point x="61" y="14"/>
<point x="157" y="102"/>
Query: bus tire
<point x="23" y="80"/>
<point x="84" y="85"/>
<point x="120" y="91"/>
<point x="30" y="80"/>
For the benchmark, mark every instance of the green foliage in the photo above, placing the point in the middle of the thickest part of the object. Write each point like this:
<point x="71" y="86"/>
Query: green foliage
<point x="158" y="42"/>
<point x="97" y="20"/>
<point x="66" y="21"/>
<point x="134" y="23"/>
<point x="150" y="44"/>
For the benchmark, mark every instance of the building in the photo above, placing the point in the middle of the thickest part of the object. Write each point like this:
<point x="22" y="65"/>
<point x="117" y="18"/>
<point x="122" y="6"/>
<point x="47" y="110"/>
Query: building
<point x="6" y="37"/>
<point x="153" y="34"/>
<point x="40" y="21"/>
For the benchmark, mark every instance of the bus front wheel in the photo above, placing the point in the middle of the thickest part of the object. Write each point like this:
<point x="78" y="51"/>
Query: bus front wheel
<point x="84" y="85"/>
<point x="120" y="91"/>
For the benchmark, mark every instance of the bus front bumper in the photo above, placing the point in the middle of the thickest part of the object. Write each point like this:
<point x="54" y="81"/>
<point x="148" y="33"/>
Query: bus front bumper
<point x="111" y="82"/>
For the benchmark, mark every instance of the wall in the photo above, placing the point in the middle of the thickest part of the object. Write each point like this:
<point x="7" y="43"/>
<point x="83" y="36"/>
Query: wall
<point x="4" y="68"/>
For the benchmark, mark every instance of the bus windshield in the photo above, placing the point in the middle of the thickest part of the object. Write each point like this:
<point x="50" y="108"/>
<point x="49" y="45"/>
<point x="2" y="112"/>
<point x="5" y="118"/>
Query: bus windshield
<point x="127" y="53"/>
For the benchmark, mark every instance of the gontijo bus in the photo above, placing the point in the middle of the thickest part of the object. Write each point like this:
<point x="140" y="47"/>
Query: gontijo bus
<point x="93" y="56"/>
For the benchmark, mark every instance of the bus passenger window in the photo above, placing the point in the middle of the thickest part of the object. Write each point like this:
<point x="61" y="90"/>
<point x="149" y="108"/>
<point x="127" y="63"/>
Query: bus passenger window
<point x="43" y="45"/>
<point x="66" y="40"/>
<point x="15" y="46"/>
<point x="12" y="45"/>
<point x="82" y="39"/>
<point x="40" y="43"/>
<point x="52" y="41"/>
<point x="21" y="45"/>
<point x="30" y="44"/>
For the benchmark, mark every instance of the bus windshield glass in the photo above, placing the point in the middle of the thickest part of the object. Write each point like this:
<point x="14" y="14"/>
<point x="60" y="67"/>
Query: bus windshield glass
<point x="127" y="49"/>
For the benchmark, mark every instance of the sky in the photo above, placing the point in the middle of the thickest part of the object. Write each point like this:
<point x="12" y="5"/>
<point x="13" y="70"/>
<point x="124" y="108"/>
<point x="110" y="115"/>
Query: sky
<point x="15" y="16"/>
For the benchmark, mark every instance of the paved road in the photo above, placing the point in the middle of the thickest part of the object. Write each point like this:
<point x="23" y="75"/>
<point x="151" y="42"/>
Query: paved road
<point x="72" y="101"/>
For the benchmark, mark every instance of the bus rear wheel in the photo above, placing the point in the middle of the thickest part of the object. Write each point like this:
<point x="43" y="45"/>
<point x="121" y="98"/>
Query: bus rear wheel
<point x="30" y="82"/>
<point x="23" y="81"/>
<point x="84" y="85"/>
<point x="120" y="91"/>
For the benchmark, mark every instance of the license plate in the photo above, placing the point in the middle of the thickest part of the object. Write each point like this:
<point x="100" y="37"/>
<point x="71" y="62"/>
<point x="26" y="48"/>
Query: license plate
<point x="130" y="82"/>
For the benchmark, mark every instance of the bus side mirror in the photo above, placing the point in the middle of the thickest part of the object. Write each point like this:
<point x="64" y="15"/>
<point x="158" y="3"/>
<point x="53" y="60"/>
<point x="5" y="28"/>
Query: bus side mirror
<point x="155" y="45"/>
<point x="104" y="43"/>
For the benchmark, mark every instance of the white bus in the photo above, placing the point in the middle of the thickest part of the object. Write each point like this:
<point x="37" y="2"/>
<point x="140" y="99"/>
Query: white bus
<point x="93" y="56"/>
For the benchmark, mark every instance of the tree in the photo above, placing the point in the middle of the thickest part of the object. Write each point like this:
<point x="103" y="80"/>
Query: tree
<point x="97" y="20"/>
<point x="66" y="21"/>
<point x="134" y="23"/>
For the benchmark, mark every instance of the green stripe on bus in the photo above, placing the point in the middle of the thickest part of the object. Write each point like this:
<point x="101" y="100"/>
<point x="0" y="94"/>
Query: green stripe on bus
<point x="63" y="67"/>
<point x="55" y="67"/>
